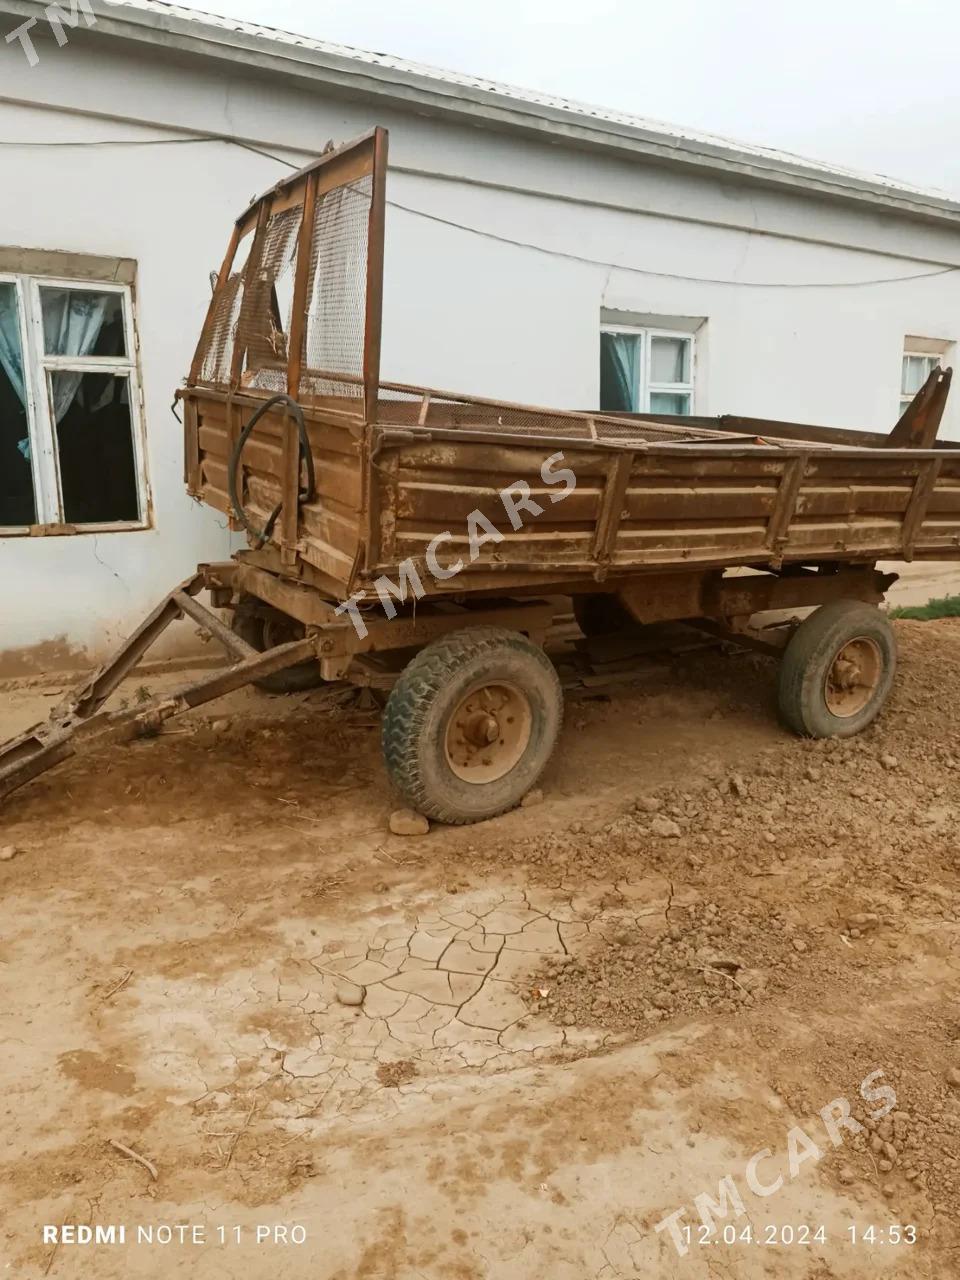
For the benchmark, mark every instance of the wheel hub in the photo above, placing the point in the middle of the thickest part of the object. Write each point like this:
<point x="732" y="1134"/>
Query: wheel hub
<point x="488" y="732"/>
<point x="853" y="678"/>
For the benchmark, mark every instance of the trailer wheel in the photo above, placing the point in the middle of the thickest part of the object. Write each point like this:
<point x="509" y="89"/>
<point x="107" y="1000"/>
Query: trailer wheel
<point x="264" y="628"/>
<point x="471" y="723"/>
<point x="837" y="670"/>
<point x="600" y="614"/>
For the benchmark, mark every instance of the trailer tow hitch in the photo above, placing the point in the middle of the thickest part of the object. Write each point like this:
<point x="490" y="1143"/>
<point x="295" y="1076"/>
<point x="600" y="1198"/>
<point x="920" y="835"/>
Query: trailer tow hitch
<point x="80" y="714"/>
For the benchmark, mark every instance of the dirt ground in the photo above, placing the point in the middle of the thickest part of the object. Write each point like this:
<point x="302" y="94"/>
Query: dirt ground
<point x="575" y="1020"/>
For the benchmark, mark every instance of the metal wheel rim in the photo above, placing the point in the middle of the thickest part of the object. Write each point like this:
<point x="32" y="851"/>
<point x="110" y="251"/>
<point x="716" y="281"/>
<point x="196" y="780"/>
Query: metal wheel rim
<point x="853" y="677"/>
<point x="488" y="732"/>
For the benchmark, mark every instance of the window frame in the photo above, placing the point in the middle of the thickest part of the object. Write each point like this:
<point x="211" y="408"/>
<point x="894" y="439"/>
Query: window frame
<point x="912" y="354"/>
<point x="42" y="428"/>
<point x="647" y="387"/>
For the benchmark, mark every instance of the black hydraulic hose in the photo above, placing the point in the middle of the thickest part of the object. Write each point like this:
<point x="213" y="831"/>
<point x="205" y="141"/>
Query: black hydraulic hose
<point x="303" y="495"/>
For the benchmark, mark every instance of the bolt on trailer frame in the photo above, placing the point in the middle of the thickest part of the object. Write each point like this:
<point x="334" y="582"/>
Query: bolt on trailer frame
<point x="343" y="481"/>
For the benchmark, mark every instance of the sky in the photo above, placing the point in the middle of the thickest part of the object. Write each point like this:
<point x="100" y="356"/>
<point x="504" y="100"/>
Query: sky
<point x="872" y="85"/>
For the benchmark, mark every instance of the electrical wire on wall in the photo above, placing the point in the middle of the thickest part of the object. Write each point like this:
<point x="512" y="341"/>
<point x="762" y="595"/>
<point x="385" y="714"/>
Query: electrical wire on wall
<point x="496" y="236"/>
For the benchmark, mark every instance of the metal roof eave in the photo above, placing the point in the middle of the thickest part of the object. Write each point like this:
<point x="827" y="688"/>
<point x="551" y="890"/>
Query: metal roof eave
<point x="487" y="108"/>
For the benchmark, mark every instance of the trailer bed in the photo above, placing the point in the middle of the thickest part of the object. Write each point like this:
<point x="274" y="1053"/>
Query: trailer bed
<point x="396" y="467"/>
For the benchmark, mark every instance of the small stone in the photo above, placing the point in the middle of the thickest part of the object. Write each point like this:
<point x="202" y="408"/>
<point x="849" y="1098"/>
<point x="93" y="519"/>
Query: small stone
<point x="737" y="785"/>
<point x="889" y="762"/>
<point x="404" y="822"/>
<point x="661" y="1000"/>
<point x="953" y="1077"/>
<point x="813" y="775"/>
<point x="666" y="828"/>
<point x="884" y="1165"/>
<point x="846" y="1175"/>
<point x="220" y="726"/>
<point x="7" y="853"/>
<point x="863" y="921"/>
<point x="532" y="798"/>
<point x="649" y="804"/>
<point x="799" y="945"/>
<point x="752" y="979"/>
<point x="889" y="1190"/>
<point x="349" y="993"/>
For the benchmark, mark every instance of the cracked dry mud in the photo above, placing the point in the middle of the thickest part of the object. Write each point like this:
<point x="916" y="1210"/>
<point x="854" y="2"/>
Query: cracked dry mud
<point x="574" y="1020"/>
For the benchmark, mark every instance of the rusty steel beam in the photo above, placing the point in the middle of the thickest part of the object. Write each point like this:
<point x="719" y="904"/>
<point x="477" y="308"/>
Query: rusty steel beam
<point x="209" y="621"/>
<point x="90" y="696"/>
<point x="918" y="427"/>
<point x="373" y="318"/>
<point x="40" y="749"/>
<point x="675" y="597"/>
<point x="919" y="503"/>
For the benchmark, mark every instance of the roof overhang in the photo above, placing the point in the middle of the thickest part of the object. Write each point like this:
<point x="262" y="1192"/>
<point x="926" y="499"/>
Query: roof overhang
<point x="453" y="97"/>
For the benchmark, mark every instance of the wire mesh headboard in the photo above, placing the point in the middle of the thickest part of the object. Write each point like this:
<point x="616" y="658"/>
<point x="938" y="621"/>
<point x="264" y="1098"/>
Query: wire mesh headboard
<point x="301" y="286"/>
<point x="298" y="307"/>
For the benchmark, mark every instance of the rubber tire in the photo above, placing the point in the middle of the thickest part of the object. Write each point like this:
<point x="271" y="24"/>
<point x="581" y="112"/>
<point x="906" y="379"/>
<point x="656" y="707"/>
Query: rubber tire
<point x="429" y="691"/>
<point x="601" y="614"/>
<point x="248" y="623"/>
<point x="809" y="656"/>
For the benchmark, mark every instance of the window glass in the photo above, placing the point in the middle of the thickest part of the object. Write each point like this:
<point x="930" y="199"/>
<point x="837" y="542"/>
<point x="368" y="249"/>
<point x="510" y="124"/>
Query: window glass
<point x="664" y="402"/>
<point x="81" y="322"/>
<point x="18" y="506"/>
<point x="68" y="434"/>
<point x="646" y="371"/>
<point x="94" y="431"/>
<point x="669" y="360"/>
<point x="916" y="370"/>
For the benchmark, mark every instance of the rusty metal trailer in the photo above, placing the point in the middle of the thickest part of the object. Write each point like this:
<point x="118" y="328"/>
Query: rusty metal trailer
<point x="417" y="541"/>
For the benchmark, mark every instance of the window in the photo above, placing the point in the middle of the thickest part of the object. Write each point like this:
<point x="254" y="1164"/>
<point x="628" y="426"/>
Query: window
<point x="918" y="364"/>
<point x="71" y="452"/>
<point x="646" y="371"/>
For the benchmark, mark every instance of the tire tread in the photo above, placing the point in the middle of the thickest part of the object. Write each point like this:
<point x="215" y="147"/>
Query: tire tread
<point x="412" y="695"/>
<point x="813" y="640"/>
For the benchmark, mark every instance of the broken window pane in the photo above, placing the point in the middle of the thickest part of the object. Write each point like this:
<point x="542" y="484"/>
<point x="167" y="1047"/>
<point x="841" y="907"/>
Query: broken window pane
<point x="94" y="429"/>
<point x="81" y="322"/>
<point x="17" y="503"/>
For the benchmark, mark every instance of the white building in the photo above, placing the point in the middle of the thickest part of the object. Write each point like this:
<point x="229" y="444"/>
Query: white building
<point x="521" y="228"/>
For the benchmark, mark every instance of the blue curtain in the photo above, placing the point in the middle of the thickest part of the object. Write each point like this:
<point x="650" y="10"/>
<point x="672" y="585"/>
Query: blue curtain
<point x="619" y="372"/>
<point x="11" y="356"/>
<point x="72" y="320"/>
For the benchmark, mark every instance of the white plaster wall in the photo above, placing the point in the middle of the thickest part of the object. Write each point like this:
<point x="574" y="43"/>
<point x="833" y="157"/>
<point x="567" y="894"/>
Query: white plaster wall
<point x="461" y="311"/>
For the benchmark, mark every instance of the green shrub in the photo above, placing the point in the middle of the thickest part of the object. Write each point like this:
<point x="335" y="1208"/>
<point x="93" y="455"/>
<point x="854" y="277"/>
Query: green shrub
<point x="945" y="607"/>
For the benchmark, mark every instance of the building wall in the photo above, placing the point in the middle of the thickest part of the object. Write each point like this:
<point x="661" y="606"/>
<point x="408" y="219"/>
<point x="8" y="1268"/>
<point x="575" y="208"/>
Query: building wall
<point x="462" y="311"/>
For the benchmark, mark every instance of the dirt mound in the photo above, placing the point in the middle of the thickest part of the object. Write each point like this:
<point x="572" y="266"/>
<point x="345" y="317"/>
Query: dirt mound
<point x="803" y="888"/>
<point x="762" y="921"/>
